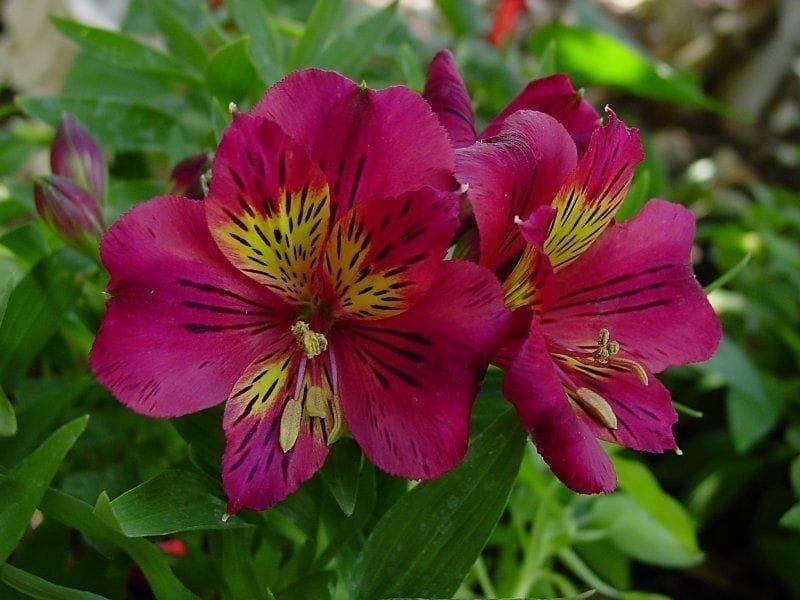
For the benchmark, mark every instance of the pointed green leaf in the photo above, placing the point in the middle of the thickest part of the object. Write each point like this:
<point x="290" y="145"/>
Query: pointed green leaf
<point x="426" y="543"/>
<point x="318" y="28"/>
<point x="123" y="51"/>
<point x="254" y="20"/>
<point x="36" y="587"/>
<point x="172" y="501"/>
<point x="22" y="489"/>
<point x="35" y="309"/>
<point x="340" y="473"/>
<point x="640" y="484"/>
<point x="177" y="35"/>
<point x="8" y="418"/>
<point x="412" y="71"/>
<point x="350" y="51"/>
<point x="230" y="74"/>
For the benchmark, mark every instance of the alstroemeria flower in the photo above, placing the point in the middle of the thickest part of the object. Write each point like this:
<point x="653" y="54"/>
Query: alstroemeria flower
<point x="599" y="306"/>
<point x="447" y="94"/>
<point x="309" y="291"/>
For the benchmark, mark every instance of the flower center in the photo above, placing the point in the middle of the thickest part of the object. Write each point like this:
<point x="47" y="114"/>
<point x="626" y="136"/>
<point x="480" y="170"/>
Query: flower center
<point x="311" y="342"/>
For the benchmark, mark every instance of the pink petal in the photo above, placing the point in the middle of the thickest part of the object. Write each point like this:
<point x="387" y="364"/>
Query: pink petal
<point x="556" y="97"/>
<point x="637" y="282"/>
<point x="268" y="207"/>
<point x="383" y="255"/>
<point x="447" y="94"/>
<point x="510" y="176"/>
<point x="182" y="324"/>
<point x="564" y="440"/>
<point x="407" y="383"/>
<point x="589" y="199"/>
<point x="369" y="143"/>
<point x="256" y="471"/>
<point x="644" y="413"/>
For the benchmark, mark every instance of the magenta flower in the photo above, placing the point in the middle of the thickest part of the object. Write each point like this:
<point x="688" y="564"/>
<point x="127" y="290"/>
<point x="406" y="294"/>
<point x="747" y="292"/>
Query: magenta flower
<point x="76" y="156"/>
<point x="447" y="94"/>
<point x="309" y="290"/>
<point x="70" y="210"/>
<point x="599" y="306"/>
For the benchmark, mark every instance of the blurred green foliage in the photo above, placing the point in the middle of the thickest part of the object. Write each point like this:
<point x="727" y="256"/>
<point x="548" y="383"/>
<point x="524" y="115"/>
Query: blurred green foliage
<point x="724" y="518"/>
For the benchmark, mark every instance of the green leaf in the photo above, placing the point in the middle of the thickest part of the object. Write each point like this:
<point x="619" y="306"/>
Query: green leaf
<point x="21" y="491"/>
<point x="36" y="308"/>
<point x="463" y="16"/>
<point x="116" y="124"/>
<point x="8" y="418"/>
<point x="179" y="38"/>
<point x="203" y="432"/>
<point x="170" y="502"/>
<point x="350" y="51"/>
<point x="230" y="74"/>
<point x="637" y="533"/>
<point x="340" y="474"/>
<point x="79" y="515"/>
<point x="36" y="587"/>
<point x="752" y="413"/>
<point x="412" y="72"/>
<point x="794" y="476"/>
<point x="123" y="51"/>
<point x="426" y="543"/>
<point x="640" y="485"/>
<point x="237" y="565"/>
<point x="318" y="27"/>
<point x="791" y="517"/>
<point x="254" y="20"/>
<point x="591" y="56"/>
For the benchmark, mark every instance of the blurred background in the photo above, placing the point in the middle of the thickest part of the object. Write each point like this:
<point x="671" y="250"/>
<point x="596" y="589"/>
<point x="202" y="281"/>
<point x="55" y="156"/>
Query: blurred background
<point x="714" y="85"/>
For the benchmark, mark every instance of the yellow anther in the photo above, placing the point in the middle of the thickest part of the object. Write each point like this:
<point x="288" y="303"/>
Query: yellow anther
<point x="291" y="418"/>
<point x="597" y="407"/>
<point x="602" y="337"/>
<point x="315" y="402"/>
<point x="632" y="365"/>
<point x="312" y="343"/>
<point x="338" y="422"/>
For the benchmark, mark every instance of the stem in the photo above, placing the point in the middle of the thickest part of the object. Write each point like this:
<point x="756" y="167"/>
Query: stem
<point x="575" y="564"/>
<point x="536" y="551"/>
<point x="483" y="578"/>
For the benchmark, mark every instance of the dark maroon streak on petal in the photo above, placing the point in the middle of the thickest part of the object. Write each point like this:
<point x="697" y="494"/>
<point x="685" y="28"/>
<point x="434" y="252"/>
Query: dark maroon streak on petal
<point x="182" y="324"/>
<point x="408" y="382"/>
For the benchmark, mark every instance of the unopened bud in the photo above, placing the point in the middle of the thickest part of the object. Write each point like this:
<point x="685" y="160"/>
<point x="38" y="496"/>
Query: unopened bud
<point x="186" y="178"/>
<point x="77" y="157"/>
<point x="69" y="209"/>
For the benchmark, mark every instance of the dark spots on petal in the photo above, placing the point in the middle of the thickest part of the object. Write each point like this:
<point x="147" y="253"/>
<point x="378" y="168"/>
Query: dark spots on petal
<point x="239" y="239"/>
<point x="357" y="179"/>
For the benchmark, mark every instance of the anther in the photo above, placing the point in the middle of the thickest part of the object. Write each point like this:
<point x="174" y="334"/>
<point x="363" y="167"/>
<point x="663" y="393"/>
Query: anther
<point x="312" y="343"/>
<point x="291" y="417"/>
<point x="597" y="407"/>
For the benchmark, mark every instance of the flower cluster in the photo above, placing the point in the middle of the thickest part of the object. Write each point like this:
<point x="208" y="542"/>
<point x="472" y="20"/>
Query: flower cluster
<point x="362" y="256"/>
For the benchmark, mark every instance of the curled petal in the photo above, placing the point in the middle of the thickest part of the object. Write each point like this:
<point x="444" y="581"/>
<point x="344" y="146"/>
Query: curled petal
<point x="408" y="382"/>
<point x="512" y="175"/>
<point x="182" y="324"/>
<point x="368" y="142"/>
<point x="589" y="199"/>
<point x="555" y="96"/>
<point x="637" y="282"/>
<point x="565" y="441"/>
<point x="447" y="94"/>
<point x="382" y="256"/>
<point x="268" y="207"/>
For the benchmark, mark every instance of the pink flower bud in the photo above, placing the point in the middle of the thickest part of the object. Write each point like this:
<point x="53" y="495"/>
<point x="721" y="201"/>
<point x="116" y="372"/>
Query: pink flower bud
<point x="76" y="156"/>
<point x="186" y="177"/>
<point x="69" y="209"/>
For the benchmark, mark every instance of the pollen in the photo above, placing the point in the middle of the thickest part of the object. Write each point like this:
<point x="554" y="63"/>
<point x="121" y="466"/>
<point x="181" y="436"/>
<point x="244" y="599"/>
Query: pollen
<point x="608" y="348"/>
<point x="312" y="343"/>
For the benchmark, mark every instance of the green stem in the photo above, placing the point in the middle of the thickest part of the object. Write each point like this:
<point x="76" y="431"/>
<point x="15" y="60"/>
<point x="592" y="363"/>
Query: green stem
<point x="237" y="565"/>
<point x="575" y="564"/>
<point x="483" y="578"/>
<point x="536" y="550"/>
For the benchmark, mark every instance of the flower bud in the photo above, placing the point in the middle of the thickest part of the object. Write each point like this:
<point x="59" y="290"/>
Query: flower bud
<point x="69" y="209"/>
<point x="186" y="177"/>
<point x="76" y="156"/>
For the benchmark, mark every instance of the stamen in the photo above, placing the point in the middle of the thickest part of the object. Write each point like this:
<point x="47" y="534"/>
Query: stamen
<point x="312" y="343"/>
<point x="597" y="407"/>
<point x="315" y="402"/>
<point x="608" y="348"/>
<point x="290" y="424"/>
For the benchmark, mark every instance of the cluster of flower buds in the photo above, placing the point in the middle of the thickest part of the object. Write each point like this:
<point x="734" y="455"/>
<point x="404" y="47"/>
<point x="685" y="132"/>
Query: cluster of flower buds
<point x="69" y="200"/>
